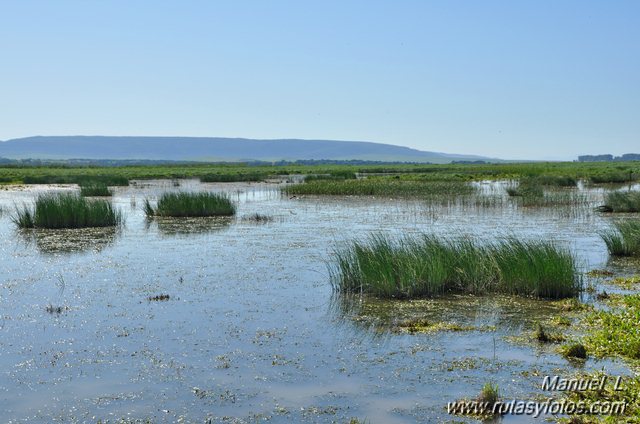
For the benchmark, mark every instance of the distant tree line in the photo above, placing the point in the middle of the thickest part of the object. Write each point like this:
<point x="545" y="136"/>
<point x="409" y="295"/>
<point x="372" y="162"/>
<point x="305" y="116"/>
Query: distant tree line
<point x="609" y="158"/>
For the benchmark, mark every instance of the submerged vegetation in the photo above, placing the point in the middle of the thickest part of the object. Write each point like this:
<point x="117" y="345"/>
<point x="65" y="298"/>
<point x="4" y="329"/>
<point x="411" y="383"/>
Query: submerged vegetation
<point x="427" y="266"/>
<point x="67" y="210"/>
<point x="621" y="201"/>
<point x="623" y="239"/>
<point x="185" y="204"/>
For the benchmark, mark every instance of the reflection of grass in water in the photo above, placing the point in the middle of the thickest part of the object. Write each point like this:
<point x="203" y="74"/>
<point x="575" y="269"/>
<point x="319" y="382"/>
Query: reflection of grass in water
<point x="190" y="226"/>
<point x="70" y="240"/>
<point x="375" y="317"/>
<point x="187" y="204"/>
<point x="427" y="266"/>
<point x="67" y="210"/>
<point x="623" y="239"/>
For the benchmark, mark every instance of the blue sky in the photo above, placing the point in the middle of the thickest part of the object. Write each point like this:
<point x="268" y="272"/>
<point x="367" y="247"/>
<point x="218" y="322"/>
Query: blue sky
<point x="512" y="79"/>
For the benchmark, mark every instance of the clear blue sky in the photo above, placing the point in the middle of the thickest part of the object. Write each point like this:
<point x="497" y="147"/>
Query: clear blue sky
<point x="511" y="79"/>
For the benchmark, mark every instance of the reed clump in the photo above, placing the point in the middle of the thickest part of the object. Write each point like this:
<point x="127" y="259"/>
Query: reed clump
<point x="67" y="210"/>
<point x="623" y="239"/>
<point x="95" y="190"/>
<point x="427" y="266"/>
<point x="621" y="201"/>
<point x="185" y="204"/>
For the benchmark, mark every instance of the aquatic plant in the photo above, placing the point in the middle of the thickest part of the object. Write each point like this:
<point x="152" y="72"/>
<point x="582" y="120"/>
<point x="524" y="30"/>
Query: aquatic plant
<point x="185" y="204"/>
<point x="94" y="190"/>
<point x="381" y="186"/>
<point x="258" y="218"/>
<point x="574" y="351"/>
<point x="623" y="239"/>
<point x="427" y="266"/>
<point x="544" y="336"/>
<point x="613" y="177"/>
<point x="335" y="175"/>
<point x="67" y="210"/>
<point x="621" y="201"/>
<point x="614" y="331"/>
<point x="489" y="395"/>
<point x="80" y="179"/>
<point x="234" y="177"/>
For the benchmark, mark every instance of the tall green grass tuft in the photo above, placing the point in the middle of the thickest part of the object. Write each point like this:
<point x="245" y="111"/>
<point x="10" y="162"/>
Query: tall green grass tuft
<point x="94" y="190"/>
<point x="191" y="205"/>
<point x="621" y="201"/>
<point x="67" y="210"/>
<point x="623" y="239"/>
<point x="427" y="266"/>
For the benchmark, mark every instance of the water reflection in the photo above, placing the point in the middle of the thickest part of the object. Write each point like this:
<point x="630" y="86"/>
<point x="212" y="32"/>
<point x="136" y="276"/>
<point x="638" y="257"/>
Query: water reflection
<point x="70" y="240"/>
<point x="479" y="313"/>
<point x="189" y="226"/>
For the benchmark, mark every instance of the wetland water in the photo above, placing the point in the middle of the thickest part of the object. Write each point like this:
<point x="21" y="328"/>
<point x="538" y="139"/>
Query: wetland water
<point x="251" y="331"/>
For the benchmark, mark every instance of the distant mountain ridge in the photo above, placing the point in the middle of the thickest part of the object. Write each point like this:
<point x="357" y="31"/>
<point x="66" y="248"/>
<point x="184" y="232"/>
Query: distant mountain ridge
<point x="212" y="149"/>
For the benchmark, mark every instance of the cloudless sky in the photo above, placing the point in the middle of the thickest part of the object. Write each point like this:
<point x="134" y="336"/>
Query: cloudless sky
<point x="512" y="79"/>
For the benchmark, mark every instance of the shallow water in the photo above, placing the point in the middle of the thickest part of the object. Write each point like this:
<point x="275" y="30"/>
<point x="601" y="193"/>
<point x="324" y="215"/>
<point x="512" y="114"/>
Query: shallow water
<point x="251" y="331"/>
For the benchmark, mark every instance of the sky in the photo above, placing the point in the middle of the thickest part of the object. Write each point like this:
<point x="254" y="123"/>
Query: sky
<point x="539" y="79"/>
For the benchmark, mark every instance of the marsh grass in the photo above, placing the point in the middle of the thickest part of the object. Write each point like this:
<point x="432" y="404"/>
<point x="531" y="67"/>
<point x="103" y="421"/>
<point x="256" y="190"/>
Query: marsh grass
<point x="336" y="175"/>
<point x="94" y="190"/>
<point x="186" y="204"/>
<point x="383" y="186"/>
<point x="614" y="177"/>
<point x="626" y="395"/>
<point x="427" y="267"/>
<point x="234" y="177"/>
<point x="621" y="201"/>
<point x="67" y="210"/>
<point x="623" y="239"/>
<point x="542" y="335"/>
<point x="108" y="180"/>
<point x="574" y="351"/>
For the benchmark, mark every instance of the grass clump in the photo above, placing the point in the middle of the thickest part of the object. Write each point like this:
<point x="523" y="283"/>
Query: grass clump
<point x="623" y="239"/>
<point x="490" y="394"/>
<point x="427" y="266"/>
<point x="94" y="190"/>
<point x="573" y="351"/>
<point x="67" y="210"/>
<point x="621" y="201"/>
<point x="191" y="205"/>
<point x="544" y="336"/>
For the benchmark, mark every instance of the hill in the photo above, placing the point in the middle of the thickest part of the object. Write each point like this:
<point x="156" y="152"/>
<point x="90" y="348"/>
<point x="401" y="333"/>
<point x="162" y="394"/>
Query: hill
<point x="210" y="149"/>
